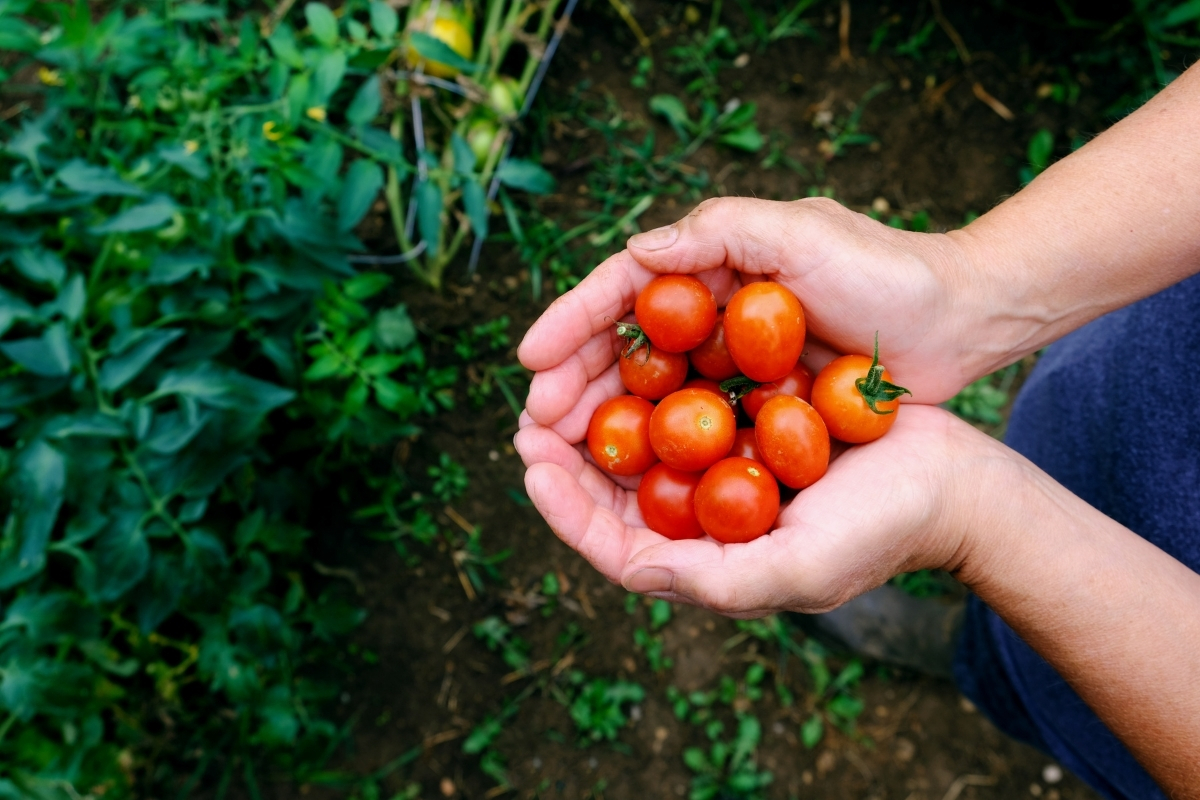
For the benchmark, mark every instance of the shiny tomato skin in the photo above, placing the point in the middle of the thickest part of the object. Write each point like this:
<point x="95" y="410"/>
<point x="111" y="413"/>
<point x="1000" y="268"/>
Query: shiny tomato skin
<point x="797" y="383"/>
<point x="655" y="374"/>
<point x="737" y="500"/>
<point x="677" y="312"/>
<point x="618" y="435"/>
<point x="692" y="429"/>
<point x="666" y="497"/>
<point x="764" y="330"/>
<point x="745" y="445"/>
<point x="710" y="385"/>
<point x="841" y="405"/>
<point x="793" y="441"/>
<point x="711" y="357"/>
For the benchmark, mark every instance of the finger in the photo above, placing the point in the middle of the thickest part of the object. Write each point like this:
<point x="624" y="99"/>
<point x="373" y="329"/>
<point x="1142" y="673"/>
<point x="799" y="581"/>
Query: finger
<point x="597" y="533"/>
<point x="574" y="424"/>
<point x="553" y="392"/>
<point x="537" y="444"/>
<point x="599" y="300"/>
<point x="751" y="236"/>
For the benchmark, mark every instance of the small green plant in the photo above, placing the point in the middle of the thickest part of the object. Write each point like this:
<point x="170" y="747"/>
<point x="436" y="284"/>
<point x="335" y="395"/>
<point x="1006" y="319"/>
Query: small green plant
<point x="498" y="636"/>
<point x="597" y="705"/>
<point x="732" y="125"/>
<point x="983" y="400"/>
<point x="1039" y="153"/>
<point x="449" y="478"/>
<point x="728" y="768"/>
<point x="843" y="132"/>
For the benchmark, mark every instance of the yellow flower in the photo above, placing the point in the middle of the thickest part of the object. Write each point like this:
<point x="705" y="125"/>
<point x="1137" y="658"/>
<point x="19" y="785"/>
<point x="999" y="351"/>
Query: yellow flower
<point x="50" y="77"/>
<point x="191" y="145"/>
<point x="270" y="133"/>
<point x="316" y="112"/>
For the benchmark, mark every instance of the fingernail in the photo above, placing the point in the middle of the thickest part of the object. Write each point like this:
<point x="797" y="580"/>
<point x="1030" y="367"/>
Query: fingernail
<point x="657" y="239"/>
<point x="651" y="579"/>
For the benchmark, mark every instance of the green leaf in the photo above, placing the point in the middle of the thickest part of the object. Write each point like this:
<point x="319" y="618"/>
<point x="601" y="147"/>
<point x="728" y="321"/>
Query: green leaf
<point x="696" y="760"/>
<point x="12" y="308"/>
<point x="49" y="355"/>
<point x="18" y="198"/>
<point x="36" y="487"/>
<point x="173" y="430"/>
<point x="364" y="108"/>
<point x="154" y="213"/>
<point x="326" y="366"/>
<point x="31" y="138"/>
<point x="283" y="42"/>
<point x="40" y="265"/>
<point x="217" y="386"/>
<point x="525" y="175"/>
<point x="482" y="735"/>
<point x="17" y="35"/>
<point x="475" y="202"/>
<point x="85" y="423"/>
<point x="169" y="268"/>
<point x="660" y="614"/>
<point x="1041" y="148"/>
<point x="158" y="595"/>
<point x="331" y="68"/>
<point x="322" y="23"/>
<point x="384" y="19"/>
<point x="363" y="181"/>
<point x="120" y="557"/>
<point x="812" y="730"/>
<point x="85" y="178"/>
<point x="366" y="285"/>
<point x="464" y="156"/>
<point x="394" y="329"/>
<point x="429" y="215"/>
<point x="72" y="299"/>
<point x="434" y="49"/>
<point x="747" y="138"/>
<point x="127" y="363"/>
<point x="191" y="162"/>
<point x="1188" y="11"/>
<point x="673" y="109"/>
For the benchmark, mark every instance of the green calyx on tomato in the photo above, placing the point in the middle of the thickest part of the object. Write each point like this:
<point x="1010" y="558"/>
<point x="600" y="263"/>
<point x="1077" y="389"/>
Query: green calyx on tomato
<point x="633" y="332"/>
<point x="874" y="389"/>
<point x="738" y="387"/>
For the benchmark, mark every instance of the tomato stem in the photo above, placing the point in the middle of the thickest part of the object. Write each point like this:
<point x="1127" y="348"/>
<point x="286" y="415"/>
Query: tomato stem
<point x="874" y="389"/>
<point x="637" y="338"/>
<point x="738" y="387"/>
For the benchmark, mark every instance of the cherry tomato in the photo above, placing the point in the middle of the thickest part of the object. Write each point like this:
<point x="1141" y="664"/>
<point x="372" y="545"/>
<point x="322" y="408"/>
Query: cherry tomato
<point x="764" y="330"/>
<point x="677" y="312"/>
<point x="797" y="383"/>
<point x="692" y="429"/>
<point x="712" y="386"/>
<point x="745" y="445"/>
<point x="793" y="441"/>
<point x="711" y="357"/>
<point x="840" y="400"/>
<point x="653" y="373"/>
<point x="666" y="498"/>
<point x="737" y="500"/>
<point x="618" y="435"/>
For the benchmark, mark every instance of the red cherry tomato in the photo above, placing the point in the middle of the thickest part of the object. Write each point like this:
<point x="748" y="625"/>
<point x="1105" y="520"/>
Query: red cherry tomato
<point x="793" y="441"/>
<point x="653" y="373"/>
<point x="764" y="330"/>
<point x="797" y="383"/>
<point x="677" y="312"/>
<point x="666" y="499"/>
<point x="842" y="405"/>
<point x="712" y="386"/>
<point x="711" y="357"/>
<point x="745" y="445"/>
<point x="737" y="500"/>
<point x="618" y="435"/>
<point x="692" y="429"/>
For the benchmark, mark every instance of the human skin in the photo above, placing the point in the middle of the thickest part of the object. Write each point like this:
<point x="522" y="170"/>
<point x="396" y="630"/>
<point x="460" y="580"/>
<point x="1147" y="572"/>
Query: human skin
<point x="1104" y="227"/>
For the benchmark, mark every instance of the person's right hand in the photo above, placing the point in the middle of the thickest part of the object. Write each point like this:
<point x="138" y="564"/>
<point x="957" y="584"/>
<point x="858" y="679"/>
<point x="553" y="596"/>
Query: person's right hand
<point x="854" y="276"/>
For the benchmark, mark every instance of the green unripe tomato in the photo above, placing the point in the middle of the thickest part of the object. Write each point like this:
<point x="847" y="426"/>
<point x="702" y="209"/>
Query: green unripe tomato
<point x="504" y="96"/>
<point x="480" y="136"/>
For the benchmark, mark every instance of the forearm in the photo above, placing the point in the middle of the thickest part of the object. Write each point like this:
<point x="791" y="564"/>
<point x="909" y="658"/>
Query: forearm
<point x="1117" y="617"/>
<point x="1112" y="223"/>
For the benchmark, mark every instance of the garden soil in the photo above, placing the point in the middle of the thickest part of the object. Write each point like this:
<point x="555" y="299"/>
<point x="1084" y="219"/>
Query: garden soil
<point x="940" y="149"/>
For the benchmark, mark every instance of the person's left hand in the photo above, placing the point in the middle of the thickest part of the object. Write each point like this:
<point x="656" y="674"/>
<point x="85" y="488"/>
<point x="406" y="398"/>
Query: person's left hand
<point x="894" y="505"/>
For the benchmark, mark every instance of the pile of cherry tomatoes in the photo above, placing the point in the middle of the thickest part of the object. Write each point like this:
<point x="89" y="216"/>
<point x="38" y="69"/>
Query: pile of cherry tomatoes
<point x="701" y="473"/>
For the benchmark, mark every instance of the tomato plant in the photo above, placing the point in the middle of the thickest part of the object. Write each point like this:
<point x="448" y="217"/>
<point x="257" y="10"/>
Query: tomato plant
<point x="677" y="312"/>
<point x="793" y="441"/>
<point x="692" y="429"/>
<point x="737" y="500"/>
<point x="764" y="330"/>
<point x="856" y="398"/>
<point x="666" y="499"/>
<point x="797" y="383"/>
<point x="618" y="435"/>
<point x="652" y="372"/>
<point x="711" y="357"/>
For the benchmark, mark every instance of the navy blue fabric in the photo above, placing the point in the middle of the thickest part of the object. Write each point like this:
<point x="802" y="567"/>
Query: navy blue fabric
<point x="1108" y="414"/>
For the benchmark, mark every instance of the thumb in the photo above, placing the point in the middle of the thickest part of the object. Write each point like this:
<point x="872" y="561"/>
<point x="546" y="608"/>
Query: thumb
<point x="751" y="236"/>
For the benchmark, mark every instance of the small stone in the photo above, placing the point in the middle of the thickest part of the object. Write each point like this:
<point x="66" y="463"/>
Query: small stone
<point x="493" y="455"/>
<point x="593" y="763"/>
<point x="880" y="205"/>
<point x="881" y="711"/>
<point x="1035" y="790"/>
<point x="536" y="763"/>
<point x="905" y="750"/>
<point x="742" y="60"/>
<point x="447" y="787"/>
<point x="680" y="789"/>
<point x="1052" y="794"/>
<point x="635" y="713"/>
<point x="966" y="705"/>
<point x="1052" y="773"/>
<point x="825" y="762"/>
<point x="778" y="729"/>
<point x="806" y="777"/>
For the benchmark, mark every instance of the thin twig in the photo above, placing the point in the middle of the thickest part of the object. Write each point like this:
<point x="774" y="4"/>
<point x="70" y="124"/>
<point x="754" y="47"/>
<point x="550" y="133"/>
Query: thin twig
<point x="627" y="15"/>
<point x="959" y="44"/>
<point x="992" y="103"/>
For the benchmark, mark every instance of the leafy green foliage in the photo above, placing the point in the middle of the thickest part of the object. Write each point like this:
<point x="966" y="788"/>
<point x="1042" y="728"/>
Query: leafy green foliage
<point x="597" y="705"/>
<point x="982" y="401"/>
<point x="728" y="768"/>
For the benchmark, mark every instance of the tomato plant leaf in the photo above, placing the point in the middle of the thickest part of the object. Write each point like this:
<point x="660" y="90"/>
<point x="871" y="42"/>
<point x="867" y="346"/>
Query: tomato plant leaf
<point x="40" y="265"/>
<point x="153" y="213"/>
<point x="526" y="175"/>
<point x="429" y="215"/>
<point x="433" y="49"/>
<point x="128" y="362"/>
<point x="475" y="203"/>
<point x="50" y="355"/>
<point x="363" y="181"/>
<point x="384" y="19"/>
<point x="322" y="23"/>
<point x="79" y="176"/>
<point x="367" y="101"/>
